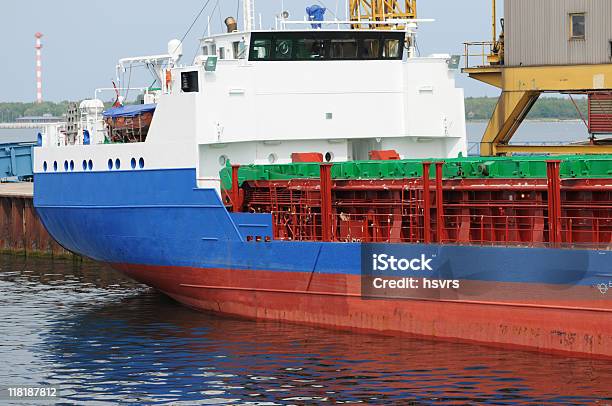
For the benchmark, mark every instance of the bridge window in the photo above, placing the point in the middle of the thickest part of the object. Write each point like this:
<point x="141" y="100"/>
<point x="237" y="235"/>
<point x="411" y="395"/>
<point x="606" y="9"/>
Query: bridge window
<point x="310" y="49"/>
<point x="392" y="49"/>
<point x="326" y="45"/>
<point x="343" y="49"/>
<point x="260" y="49"/>
<point x="370" y="49"/>
<point x="283" y="49"/>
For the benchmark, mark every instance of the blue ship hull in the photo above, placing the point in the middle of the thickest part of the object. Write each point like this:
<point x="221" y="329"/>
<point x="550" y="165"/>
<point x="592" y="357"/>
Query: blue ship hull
<point x="158" y="227"/>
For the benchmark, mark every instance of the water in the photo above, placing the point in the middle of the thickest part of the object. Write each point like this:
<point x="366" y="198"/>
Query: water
<point x="532" y="132"/>
<point x="557" y="132"/>
<point x="103" y="338"/>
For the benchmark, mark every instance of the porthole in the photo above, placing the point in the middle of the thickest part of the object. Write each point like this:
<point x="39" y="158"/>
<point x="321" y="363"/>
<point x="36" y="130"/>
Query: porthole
<point x="141" y="163"/>
<point x="45" y="166"/>
<point x="117" y="163"/>
<point x="90" y="165"/>
<point x="329" y="156"/>
<point x="84" y="165"/>
<point x="223" y="160"/>
<point x="133" y="163"/>
<point x="55" y="166"/>
<point x="272" y="158"/>
<point x="66" y="166"/>
<point x="110" y="164"/>
<point x="72" y="165"/>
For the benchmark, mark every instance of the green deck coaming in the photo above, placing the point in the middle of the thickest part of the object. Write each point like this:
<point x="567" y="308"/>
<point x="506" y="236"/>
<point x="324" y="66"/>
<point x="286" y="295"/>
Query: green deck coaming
<point x="524" y="167"/>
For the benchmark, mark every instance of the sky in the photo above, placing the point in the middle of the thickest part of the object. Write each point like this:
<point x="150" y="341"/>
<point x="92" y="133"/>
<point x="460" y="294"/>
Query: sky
<point x="83" y="40"/>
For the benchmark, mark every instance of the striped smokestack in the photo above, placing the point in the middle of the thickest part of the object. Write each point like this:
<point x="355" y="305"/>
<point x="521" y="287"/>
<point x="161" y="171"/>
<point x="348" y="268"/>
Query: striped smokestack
<point x="39" y="98"/>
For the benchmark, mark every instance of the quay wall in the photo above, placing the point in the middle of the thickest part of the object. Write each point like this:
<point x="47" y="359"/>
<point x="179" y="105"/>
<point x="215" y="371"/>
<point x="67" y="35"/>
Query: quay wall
<point x="21" y="231"/>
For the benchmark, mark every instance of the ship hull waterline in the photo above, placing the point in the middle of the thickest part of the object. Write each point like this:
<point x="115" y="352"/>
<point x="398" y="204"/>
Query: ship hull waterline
<point x="334" y="301"/>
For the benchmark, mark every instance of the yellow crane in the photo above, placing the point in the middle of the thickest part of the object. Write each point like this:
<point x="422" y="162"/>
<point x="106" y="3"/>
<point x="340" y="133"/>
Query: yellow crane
<point x="382" y="10"/>
<point x="521" y="86"/>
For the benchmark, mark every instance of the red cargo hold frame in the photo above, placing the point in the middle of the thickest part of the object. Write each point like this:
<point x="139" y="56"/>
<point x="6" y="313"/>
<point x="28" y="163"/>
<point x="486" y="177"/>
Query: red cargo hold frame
<point x="525" y="212"/>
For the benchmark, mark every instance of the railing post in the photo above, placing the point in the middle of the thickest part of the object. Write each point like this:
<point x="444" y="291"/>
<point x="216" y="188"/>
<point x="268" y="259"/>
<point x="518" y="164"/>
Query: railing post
<point x="235" y="189"/>
<point x="439" y="202"/>
<point x="326" y="201"/>
<point x="426" y="204"/>
<point x="554" y="200"/>
<point x="482" y="230"/>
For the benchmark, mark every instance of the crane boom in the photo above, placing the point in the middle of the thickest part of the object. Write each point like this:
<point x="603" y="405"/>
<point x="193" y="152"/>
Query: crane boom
<point x="382" y="10"/>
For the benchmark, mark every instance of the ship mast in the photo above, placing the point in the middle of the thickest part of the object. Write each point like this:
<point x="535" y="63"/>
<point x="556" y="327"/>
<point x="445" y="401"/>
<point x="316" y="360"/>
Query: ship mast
<point x="248" y="14"/>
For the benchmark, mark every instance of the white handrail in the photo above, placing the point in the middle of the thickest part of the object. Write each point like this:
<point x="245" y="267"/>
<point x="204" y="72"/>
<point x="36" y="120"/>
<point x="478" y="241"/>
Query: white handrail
<point x="360" y="22"/>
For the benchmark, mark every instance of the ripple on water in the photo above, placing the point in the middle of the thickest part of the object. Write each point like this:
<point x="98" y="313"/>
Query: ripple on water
<point x="105" y="339"/>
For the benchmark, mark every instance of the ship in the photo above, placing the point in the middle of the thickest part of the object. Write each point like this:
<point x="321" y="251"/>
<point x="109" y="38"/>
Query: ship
<point x="318" y="173"/>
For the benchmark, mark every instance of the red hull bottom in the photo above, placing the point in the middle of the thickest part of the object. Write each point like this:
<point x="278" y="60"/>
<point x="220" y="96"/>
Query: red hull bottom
<point x="334" y="301"/>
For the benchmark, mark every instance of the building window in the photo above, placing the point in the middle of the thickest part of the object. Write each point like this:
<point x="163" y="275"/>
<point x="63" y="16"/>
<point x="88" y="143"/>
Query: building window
<point x="577" y="26"/>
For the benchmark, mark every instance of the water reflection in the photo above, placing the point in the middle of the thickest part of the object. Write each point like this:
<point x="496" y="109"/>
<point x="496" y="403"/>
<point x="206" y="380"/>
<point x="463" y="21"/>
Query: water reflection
<point x="104" y="338"/>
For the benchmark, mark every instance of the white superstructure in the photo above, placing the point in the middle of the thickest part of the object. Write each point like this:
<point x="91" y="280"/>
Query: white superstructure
<point x="256" y="97"/>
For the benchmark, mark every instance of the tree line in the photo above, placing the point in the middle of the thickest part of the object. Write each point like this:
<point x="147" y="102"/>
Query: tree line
<point x="9" y="112"/>
<point x="546" y="108"/>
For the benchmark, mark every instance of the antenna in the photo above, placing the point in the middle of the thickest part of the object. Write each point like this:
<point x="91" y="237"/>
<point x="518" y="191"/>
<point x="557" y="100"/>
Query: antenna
<point x="38" y="46"/>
